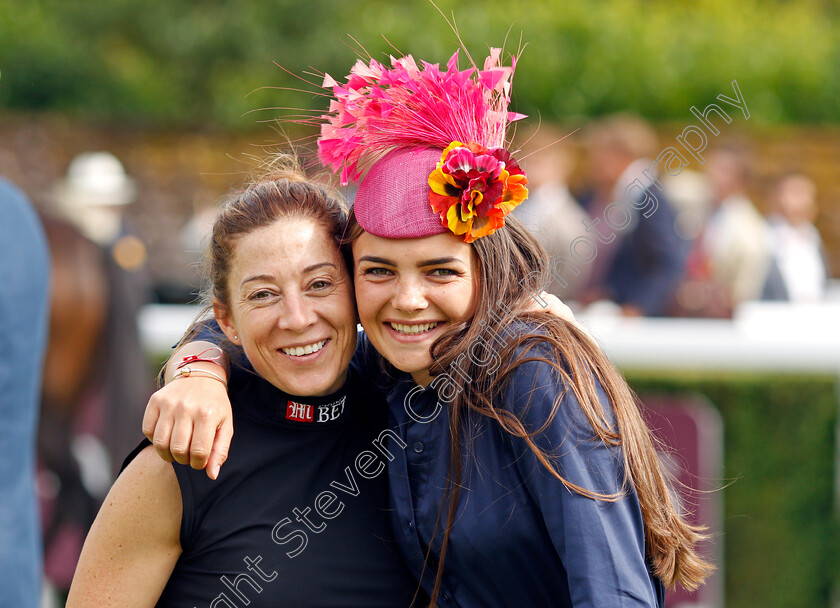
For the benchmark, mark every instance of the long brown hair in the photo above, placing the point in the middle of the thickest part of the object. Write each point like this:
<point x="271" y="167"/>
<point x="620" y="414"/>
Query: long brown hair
<point x="509" y="261"/>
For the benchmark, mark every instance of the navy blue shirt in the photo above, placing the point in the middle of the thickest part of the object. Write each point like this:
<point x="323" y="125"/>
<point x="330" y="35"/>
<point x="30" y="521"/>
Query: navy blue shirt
<point x="520" y="538"/>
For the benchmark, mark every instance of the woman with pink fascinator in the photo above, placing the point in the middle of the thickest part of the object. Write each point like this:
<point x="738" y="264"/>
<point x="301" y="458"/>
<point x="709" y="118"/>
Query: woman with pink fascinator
<point x="520" y="469"/>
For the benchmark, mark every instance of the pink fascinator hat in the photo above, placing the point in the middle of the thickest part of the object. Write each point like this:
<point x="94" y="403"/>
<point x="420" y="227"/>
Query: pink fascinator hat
<point x="427" y="145"/>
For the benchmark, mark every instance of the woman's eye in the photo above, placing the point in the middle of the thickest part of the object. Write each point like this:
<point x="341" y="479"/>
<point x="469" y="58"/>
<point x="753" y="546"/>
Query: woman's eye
<point x="263" y="294"/>
<point x="320" y="285"/>
<point x="377" y="272"/>
<point x="444" y="272"/>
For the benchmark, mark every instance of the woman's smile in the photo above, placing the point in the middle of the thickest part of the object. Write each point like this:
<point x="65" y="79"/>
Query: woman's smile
<point x="409" y="292"/>
<point x="292" y="307"/>
<point x="414" y="331"/>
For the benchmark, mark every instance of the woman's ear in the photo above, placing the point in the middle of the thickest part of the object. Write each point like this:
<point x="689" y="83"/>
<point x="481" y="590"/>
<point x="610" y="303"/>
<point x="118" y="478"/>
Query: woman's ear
<point x="223" y="318"/>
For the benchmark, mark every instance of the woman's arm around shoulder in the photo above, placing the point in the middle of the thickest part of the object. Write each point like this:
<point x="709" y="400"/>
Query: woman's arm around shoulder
<point x="134" y="543"/>
<point x="189" y="420"/>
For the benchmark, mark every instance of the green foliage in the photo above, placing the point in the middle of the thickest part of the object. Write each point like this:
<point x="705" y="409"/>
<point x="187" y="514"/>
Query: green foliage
<point x="209" y="62"/>
<point x="780" y="525"/>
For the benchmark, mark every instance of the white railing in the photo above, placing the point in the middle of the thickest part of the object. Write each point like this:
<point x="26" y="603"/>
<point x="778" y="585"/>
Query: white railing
<point x="761" y="337"/>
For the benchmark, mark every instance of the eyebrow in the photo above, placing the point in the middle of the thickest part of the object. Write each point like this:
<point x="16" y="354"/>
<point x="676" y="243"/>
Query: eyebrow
<point x="257" y="277"/>
<point x="432" y="262"/>
<point x="268" y="277"/>
<point x="317" y="266"/>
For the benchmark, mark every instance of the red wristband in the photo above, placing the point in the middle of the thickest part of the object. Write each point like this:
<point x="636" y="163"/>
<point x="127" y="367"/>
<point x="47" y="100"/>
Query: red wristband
<point x="200" y="357"/>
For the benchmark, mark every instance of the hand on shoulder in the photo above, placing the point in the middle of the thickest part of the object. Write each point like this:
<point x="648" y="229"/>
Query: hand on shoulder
<point x="189" y="420"/>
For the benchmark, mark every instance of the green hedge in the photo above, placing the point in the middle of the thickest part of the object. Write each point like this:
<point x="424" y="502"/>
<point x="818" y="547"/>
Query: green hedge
<point x="780" y="525"/>
<point x="205" y="64"/>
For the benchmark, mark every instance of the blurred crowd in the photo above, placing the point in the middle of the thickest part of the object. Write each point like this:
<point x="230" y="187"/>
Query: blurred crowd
<point x="621" y="238"/>
<point x="630" y="239"/>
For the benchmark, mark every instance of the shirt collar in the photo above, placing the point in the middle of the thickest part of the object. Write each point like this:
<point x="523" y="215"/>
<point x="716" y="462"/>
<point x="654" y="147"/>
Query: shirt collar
<point x="423" y="399"/>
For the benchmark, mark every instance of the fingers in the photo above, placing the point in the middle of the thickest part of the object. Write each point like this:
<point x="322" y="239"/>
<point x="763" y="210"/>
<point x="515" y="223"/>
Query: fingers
<point x="220" y="448"/>
<point x="563" y="311"/>
<point x="203" y="434"/>
<point x="181" y="438"/>
<point x="183" y="420"/>
<point x="160" y="437"/>
<point x="150" y="418"/>
<point x="558" y="308"/>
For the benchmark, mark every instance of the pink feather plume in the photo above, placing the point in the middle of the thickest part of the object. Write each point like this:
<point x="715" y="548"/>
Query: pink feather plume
<point x="379" y="109"/>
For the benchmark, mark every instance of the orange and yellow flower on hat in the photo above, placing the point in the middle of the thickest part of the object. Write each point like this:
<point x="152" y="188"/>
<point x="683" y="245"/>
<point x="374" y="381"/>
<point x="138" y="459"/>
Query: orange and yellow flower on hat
<point x="473" y="188"/>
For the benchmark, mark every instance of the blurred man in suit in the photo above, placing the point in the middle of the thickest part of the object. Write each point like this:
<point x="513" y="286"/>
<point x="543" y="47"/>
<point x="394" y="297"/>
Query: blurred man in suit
<point x="640" y="257"/>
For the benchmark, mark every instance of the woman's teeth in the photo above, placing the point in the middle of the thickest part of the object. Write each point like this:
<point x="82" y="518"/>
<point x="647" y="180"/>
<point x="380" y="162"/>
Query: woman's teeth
<point x="299" y="351"/>
<point x="413" y="329"/>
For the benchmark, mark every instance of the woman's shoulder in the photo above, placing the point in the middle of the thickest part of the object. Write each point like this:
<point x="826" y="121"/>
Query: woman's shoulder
<point x="148" y="485"/>
<point x="173" y="479"/>
<point x="144" y="462"/>
<point x="544" y="377"/>
<point x="136" y="532"/>
<point x="533" y="352"/>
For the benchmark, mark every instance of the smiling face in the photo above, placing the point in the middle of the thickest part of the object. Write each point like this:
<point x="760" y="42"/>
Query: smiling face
<point x="291" y="306"/>
<point x="410" y="291"/>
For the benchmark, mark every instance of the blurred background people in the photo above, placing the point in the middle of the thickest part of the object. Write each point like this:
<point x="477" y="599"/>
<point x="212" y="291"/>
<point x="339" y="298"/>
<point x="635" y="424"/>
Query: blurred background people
<point x="795" y="244"/>
<point x="730" y="261"/>
<point x="639" y="264"/>
<point x="192" y="240"/>
<point x="24" y="283"/>
<point x="93" y="197"/>
<point x="97" y="379"/>
<point x="73" y="464"/>
<point x="552" y="214"/>
<point x="690" y="194"/>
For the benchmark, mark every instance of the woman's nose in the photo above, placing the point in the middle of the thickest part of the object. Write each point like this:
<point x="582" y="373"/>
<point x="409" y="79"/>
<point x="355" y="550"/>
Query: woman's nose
<point x="410" y="296"/>
<point x="298" y="315"/>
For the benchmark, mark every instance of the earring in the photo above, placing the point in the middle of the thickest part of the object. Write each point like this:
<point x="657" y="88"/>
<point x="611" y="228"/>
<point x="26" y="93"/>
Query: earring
<point x="236" y="338"/>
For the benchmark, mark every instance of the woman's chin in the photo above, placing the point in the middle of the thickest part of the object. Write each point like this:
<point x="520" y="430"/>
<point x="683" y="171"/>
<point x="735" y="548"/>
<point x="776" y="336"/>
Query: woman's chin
<point x="309" y="386"/>
<point x="416" y="366"/>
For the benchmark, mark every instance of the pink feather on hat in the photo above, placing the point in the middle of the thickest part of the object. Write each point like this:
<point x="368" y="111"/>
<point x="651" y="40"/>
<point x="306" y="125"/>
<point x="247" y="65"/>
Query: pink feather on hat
<point x="390" y="125"/>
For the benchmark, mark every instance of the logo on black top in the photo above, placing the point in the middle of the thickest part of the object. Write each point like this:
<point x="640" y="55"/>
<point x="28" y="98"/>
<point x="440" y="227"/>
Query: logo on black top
<point x="304" y="412"/>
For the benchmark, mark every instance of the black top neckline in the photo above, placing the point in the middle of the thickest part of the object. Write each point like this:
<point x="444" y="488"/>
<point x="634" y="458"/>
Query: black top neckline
<point x="262" y="401"/>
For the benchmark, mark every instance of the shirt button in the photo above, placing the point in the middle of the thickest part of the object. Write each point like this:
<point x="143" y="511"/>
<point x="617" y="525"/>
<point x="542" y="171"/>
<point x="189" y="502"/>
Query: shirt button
<point x="418" y="448"/>
<point x="410" y="524"/>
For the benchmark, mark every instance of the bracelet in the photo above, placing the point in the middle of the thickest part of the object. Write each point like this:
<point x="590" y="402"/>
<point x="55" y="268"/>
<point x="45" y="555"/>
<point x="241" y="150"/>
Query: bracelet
<point x="200" y="357"/>
<point x="186" y="372"/>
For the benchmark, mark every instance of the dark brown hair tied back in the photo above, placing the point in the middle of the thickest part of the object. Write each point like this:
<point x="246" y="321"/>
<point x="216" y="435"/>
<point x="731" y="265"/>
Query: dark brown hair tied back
<point x="281" y="190"/>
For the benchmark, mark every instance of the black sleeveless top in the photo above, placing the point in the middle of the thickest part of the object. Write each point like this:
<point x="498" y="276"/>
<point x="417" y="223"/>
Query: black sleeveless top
<point x="298" y="516"/>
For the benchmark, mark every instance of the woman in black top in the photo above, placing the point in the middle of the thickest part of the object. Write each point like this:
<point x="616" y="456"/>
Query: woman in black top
<point x="297" y="517"/>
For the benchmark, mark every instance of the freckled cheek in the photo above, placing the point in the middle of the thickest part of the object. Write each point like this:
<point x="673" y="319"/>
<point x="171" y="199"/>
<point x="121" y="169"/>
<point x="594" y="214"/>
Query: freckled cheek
<point x="370" y="299"/>
<point x="458" y="301"/>
<point x="367" y="313"/>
